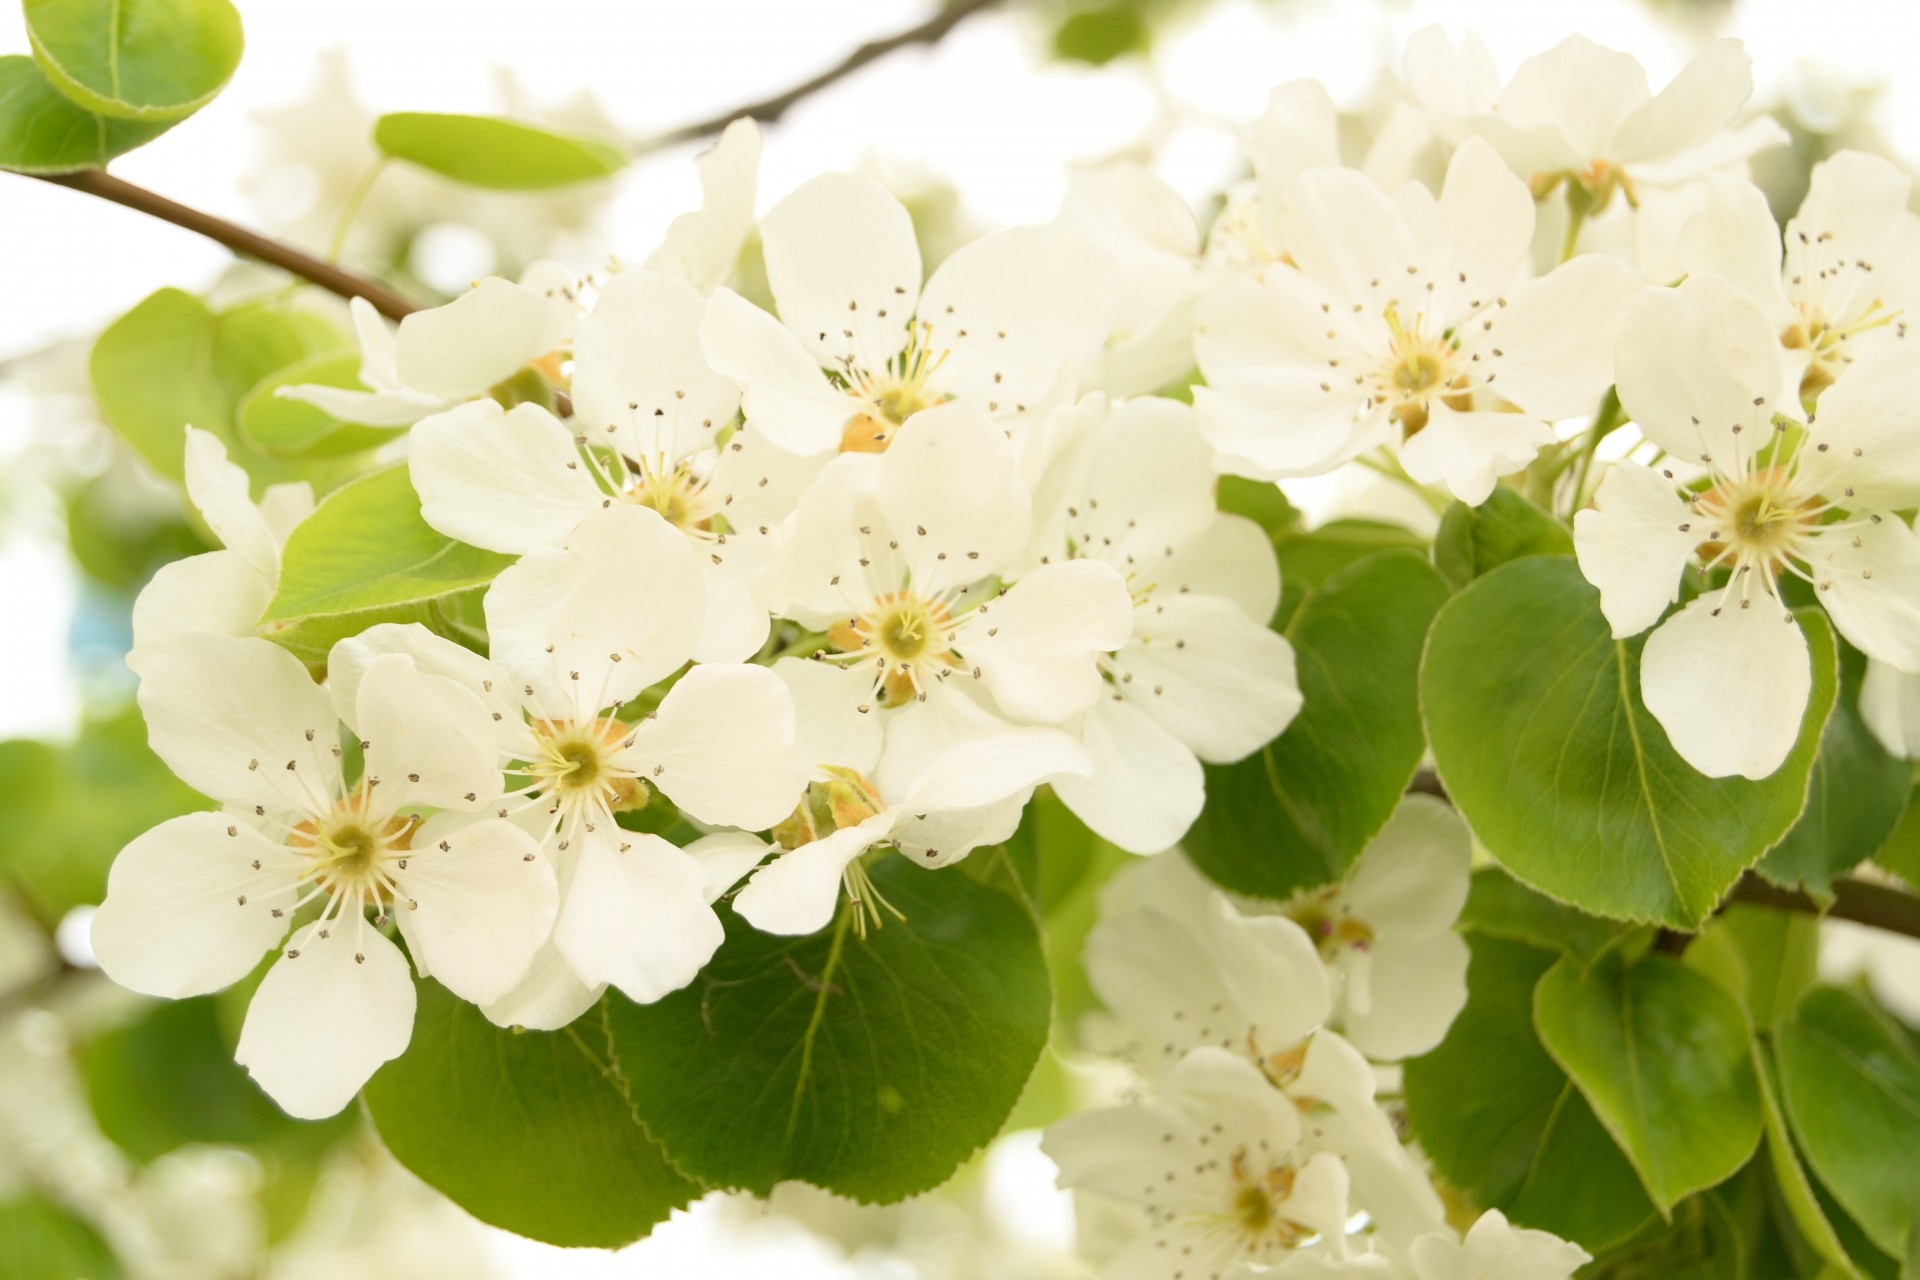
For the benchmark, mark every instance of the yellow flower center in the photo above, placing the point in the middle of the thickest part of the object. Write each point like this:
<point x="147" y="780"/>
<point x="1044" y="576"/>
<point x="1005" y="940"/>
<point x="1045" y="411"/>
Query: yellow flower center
<point x="891" y="395"/>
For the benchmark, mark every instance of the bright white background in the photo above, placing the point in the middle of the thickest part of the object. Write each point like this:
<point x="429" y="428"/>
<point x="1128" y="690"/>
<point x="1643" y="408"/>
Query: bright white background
<point x="981" y="110"/>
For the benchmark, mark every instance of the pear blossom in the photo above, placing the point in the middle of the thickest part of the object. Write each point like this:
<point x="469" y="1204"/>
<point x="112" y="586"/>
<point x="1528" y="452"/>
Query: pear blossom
<point x="1890" y="704"/>
<point x="952" y="779"/>
<point x="860" y="347"/>
<point x="446" y="355"/>
<point x="1405" y="321"/>
<point x="1728" y="676"/>
<point x="1218" y="1166"/>
<point x="1201" y="676"/>
<point x="900" y="562"/>
<point x="1583" y="113"/>
<point x="702" y="244"/>
<point x="653" y="427"/>
<point x="1495" y="1249"/>
<point x="193" y="903"/>
<point x="578" y="633"/>
<point x="220" y="592"/>
<point x="1849" y="275"/>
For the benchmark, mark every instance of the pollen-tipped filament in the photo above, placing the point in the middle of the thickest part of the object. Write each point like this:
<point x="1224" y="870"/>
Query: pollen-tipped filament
<point x="891" y="395"/>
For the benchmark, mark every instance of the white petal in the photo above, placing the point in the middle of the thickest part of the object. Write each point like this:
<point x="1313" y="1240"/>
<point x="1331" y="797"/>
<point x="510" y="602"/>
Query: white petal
<point x="1855" y="212"/>
<point x="394" y="408"/>
<point x="1220" y="682"/>
<point x="1870" y="583"/>
<point x="1890" y="704"/>
<point x="1318" y="1198"/>
<point x="1344" y="233"/>
<point x="829" y="727"/>
<point x="433" y="655"/>
<point x="939" y="837"/>
<point x="787" y="398"/>
<point x="548" y="998"/>
<point x="819" y="577"/>
<point x="1469" y="452"/>
<point x="1729" y="684"/>
<point x="375" y="332"/>
<point x="1273" y="969"/>
<point x="721" y="747"/>
<point x="1232" y="559"/>
<point x="726" y="856"/>
<point x="1584" y="90"/>
<point x="186" y="912"/>
<point x="1496" y="1250"/>
<point x="1299" y="130"/>
<point x="480" y="906"/>
<point x="322" y="1022"/>
<point x="737" y="623"/>
<point x="1416" y="988"/>
<point x="1051" y="626"/>
<point x="506" y="480"/>
<point x="637" y="367"/>
<point x="636" y="915"/>
<point x="482" y="337"/>
<point x="701" y="245"/>
<point x="1411" y="881"/>
<point x="844" y="268"/>
<point x="1693" y="361"/>
<point x="1556" y="337"/>
<point x="937" y="759"/>
<point x="1214" y="1085"/>
<point x="1698" y="103"/>
<point x="1869" y="410"/>
<point x="219" y="492"/>
<point x="620" y="609"/>
<point x="1030" y="302"/>
<point x="1118" y="1150"/>
<point x="952" y="533"/>
<point x="1140" y="481"/>
<point x="1735" y="237"/>
<point x="1146" y="788"/>
<point x="1483" y="227"/>
<point x="429" y="740"/>
<point x="797" y="892"/>
<point x="216" y="593"/>
<point x="1633" y="544"/>
<point x="241" y="721"/>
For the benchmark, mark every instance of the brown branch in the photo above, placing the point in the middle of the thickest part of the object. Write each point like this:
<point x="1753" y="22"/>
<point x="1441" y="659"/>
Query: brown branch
<point x="1861" y="901"/>
<point x="768" y="110"/>
<point x="251" y="244"/>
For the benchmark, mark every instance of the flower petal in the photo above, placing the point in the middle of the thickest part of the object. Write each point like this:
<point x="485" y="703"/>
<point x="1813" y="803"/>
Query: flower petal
<point x="1869" y="580"/>
<point x="1469" y="452"/>
<point x="1551" y="347"/>
<point x="1217" y="680"/>
<point x="1696" y="104"/>
<point x="241" y="721"/>
<point x="787" y="398"/>
<point x="1735" y="238"/>
<point x="324" y="1020"/>
<point x="1728" y="683"/>
<point x="548" y="998"/>
<point x="1698" y="369"/>
<point x="482" y="337"/>
<point x="721" y="747"/>
<point x="1483" y="227"/>
<point x="639" y="378"/>
<point x="432" y="655"/>
<point x="506" y="480"/>
<point x="1146" y="788"/>
<point x="726" y="856"/>
<point x="1582" y="89"/>
<point x="796" y="893"/>
<point x="1036" y="646"/>
<point x="1411" y="880"/>
<point x="218" y="490"/>
<point x="844" y="269"/>
<point x="636" y="915"/>
<point x="1633" y="544"/>
<point x="829" y="727"/>
<point x="215" y="593"/>
<point x="1232" y="559"/>
<point x="1863" y="451"/>
<point x="481" y="900"/>
<point x="702" y="244"/>
<point x="428" y="740"/>
<point x="191" y="908"/>
<point x="952" y="533"/>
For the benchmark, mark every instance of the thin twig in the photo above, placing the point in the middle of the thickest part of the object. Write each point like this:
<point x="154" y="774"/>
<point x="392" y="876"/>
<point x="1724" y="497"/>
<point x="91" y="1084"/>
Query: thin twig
<point x="97" y="182"/>
<point x="771" y="109"/>
<point x="1861" y="901"/>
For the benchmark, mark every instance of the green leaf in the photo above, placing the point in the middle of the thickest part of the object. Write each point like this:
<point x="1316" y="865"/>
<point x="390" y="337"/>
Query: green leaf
<point x="42" y="132"/>
<point x="1260" y="502"/>
<point x="1795" y="1189"/>
<point x="168" y="1079"/>
<point x="1501" y="906"/>
<point x="1503" y="1123"/>
<point x="527" y="1130"/>
<point x="1541" y="737"/>
<point x="1297" y="813"/>
<point x="872" y="1067"/>
<point x="65" y="812"/>
<point x="366" y="547"/>
<point x="1855" y="800"/>
<point x="1098" y="36"/>
<point x="1851" y="1082"/>
<point x="1761" y="957"/>
<point x="148" y="60"/>
<point x="486" y="151"/>
<point x="1901" y="852"/>
<point x="38" y="1239"/>
<point x="1309" y="558"/>
<point x="1660" y="1052"/>
<point x="290" y="428"/>
<point x="1703" y="1242"/>
<point x="173" y="362"/>
<point x="1473" y="540"/>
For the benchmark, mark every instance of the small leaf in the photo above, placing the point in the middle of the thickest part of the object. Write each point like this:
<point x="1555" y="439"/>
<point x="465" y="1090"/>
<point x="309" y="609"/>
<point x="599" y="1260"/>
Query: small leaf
<point x="1761" y="957"/>
<point x="291" y="428"/>
<point x="1541" y="737"/>
<point x="1501" y="1120"/>
<point x="43" y="132"/>
<point x="1660" y="1052"/>
<point x="1855" y="800"/>
<point x="1851" y="1083"/>
<point x="527" y="1130"/>
<point x="1900" y="854"/>
<point x="1309" y="557"/>
<point x="147" y="60"/>
<point x="1501" y="906"/>
<point x="367" y="548"/>
<point x="1796" y="1190"/>
<point x="1473" y="540"/>
<point x="486" y="151"/>
<point x="41" y="1240"/>
<point x="872" y="1067"/>
<point x="1098" y="36"/>
<point x="1297" y="813"/>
